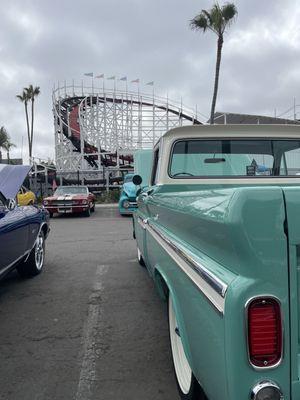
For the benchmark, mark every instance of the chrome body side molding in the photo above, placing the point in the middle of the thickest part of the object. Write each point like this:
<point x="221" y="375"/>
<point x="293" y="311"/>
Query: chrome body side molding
<point x="211" y="286"/>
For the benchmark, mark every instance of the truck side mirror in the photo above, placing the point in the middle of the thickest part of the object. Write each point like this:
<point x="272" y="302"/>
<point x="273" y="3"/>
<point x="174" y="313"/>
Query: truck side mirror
<point x="137" y="180"/>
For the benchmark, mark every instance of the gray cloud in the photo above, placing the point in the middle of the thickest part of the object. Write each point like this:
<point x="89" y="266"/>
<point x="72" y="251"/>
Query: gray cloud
<point x="43" y="42"/>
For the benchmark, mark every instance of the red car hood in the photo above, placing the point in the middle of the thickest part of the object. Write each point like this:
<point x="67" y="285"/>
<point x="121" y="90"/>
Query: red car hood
<point x="67" y="197"/>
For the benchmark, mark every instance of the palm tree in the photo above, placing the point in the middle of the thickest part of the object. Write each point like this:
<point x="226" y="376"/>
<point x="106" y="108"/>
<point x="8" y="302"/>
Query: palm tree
<point x="28" y="95"/>
<point x="4" y="138"/>
<point x="8" y="146"/>
<point x="216" y="20"/>
<point x="32" y="92"/>
<point x="23" y="97"/>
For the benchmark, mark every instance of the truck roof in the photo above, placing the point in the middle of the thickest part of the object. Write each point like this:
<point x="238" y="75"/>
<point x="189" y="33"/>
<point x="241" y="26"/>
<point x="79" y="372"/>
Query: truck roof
<point x="286" y="131"/>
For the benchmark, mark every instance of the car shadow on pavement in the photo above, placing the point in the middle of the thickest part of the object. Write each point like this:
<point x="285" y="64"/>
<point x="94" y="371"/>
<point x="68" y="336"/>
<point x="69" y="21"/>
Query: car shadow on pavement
<point x="69" y="216"/>
<point x="9" y="282"/>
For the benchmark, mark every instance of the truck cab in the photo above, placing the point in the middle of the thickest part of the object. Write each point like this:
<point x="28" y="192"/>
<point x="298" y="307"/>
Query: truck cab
<point x="218" y="229"/>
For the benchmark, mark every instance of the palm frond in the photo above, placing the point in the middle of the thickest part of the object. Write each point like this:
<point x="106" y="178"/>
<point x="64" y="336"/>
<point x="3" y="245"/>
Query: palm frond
<point x="217" y="21"/>
<point x="32" y="92"/>
<point x="207" y="14"/>
<point x="28" y="91"/>
<point x="23" y="96"/>
<point x="36" y="91"/>
<point x="199" y="22"/>
<point x="229" y="11"/>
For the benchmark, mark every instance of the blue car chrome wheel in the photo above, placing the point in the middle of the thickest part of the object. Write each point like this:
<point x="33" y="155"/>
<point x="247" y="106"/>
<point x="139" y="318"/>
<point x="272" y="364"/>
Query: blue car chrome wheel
<point x="35" y="262"/>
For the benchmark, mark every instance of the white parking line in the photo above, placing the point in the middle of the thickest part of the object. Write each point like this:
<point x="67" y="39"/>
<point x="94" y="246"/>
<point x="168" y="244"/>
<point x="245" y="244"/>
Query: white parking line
<point x="88" y="366"/>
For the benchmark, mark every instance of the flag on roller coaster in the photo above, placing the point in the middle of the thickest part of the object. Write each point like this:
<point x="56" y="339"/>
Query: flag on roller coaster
<point x="136" y="81"/>
<point x="54" y="185"/>
<point x="124" y="78"/>
<point x="150" y="83"/>
<point x="91" y="74"/>
<point x="100" y="76"/>
<point x="112" y="77"/>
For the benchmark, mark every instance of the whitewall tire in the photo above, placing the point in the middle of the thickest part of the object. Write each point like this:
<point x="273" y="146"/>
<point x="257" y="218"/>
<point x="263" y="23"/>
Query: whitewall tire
<point x="140" y="258"/>
<point x="188" y="387"/>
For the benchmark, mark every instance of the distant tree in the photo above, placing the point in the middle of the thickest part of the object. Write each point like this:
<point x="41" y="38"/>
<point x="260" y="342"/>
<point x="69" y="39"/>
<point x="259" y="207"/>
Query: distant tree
<point x="8" y="146"/>
<point x="32" y="92"/>
<point x="28" y="95"/>
<point x="217" y="20"/>
<point x="5" y="143"/>
<point x="3" y="140"/>
<point x="23" y="97"/>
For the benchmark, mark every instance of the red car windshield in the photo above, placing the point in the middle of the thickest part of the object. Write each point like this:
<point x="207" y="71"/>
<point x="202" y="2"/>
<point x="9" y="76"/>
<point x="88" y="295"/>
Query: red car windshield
<point x="70" y="190"/>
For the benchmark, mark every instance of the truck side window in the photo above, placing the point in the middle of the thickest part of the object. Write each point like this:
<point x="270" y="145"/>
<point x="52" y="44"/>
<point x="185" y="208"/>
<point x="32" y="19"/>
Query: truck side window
<point x="155" y="167"/>
<point x="290" y="162"/>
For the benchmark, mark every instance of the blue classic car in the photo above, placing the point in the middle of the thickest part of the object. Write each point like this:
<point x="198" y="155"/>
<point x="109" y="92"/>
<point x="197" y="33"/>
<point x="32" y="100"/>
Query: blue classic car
<point x="127" y="201"/>
<point x="23" y="229"/>
<point x="218" y="229"/>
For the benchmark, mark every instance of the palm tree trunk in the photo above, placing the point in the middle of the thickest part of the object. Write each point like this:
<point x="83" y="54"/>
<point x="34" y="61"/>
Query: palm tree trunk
<point x="28" y="129"/>
<point x="218" y="63"/>
<point x="0" y="156"/>
<point x="8" y="159"/>
<point x="32" y="119"/>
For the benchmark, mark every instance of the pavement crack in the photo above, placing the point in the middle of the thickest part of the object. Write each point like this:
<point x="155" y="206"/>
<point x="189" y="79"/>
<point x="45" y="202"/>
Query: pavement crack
<point x="52" y="337"/>
<point x="91" y="351"/>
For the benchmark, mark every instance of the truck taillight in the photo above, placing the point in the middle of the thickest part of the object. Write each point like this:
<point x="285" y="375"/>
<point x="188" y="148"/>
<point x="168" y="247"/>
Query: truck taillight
<point x="264" y="332"/>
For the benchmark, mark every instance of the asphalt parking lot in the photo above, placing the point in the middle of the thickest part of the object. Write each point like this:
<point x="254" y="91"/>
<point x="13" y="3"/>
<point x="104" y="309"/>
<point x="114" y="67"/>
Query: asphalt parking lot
<point x="91" y="326"/>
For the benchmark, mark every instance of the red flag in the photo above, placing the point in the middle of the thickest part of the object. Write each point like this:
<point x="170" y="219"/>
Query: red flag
<point x="54" y="185"/>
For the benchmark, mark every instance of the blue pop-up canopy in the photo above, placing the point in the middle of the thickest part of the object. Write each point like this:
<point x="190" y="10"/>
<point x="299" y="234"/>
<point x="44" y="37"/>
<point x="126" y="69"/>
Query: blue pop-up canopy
<point x="11" y="179"/>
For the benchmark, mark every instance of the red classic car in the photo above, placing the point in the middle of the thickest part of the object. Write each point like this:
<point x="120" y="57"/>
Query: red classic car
<point x="70" y="199"/>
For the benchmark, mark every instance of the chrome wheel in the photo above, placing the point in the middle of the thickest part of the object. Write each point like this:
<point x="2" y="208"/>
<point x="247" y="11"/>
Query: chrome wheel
<point x="34" y="264"/>
<point x="182" y="368"/>
<point x="39" y="251"/>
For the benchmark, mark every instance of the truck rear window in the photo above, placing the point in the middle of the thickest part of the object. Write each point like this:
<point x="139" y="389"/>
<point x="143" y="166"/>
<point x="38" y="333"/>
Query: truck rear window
<point x="234" y="158"/>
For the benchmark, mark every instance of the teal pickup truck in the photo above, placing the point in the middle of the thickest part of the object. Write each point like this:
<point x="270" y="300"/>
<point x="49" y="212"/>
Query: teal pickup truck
<point x="218" y="228"/>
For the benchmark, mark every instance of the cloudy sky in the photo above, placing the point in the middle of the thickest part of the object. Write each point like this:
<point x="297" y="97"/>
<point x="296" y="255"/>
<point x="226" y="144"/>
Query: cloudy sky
<point x="43" y="42"/>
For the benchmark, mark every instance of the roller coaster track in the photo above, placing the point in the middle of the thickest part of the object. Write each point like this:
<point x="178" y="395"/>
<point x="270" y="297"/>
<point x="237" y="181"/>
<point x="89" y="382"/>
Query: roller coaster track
<point x="68" y="120"/>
